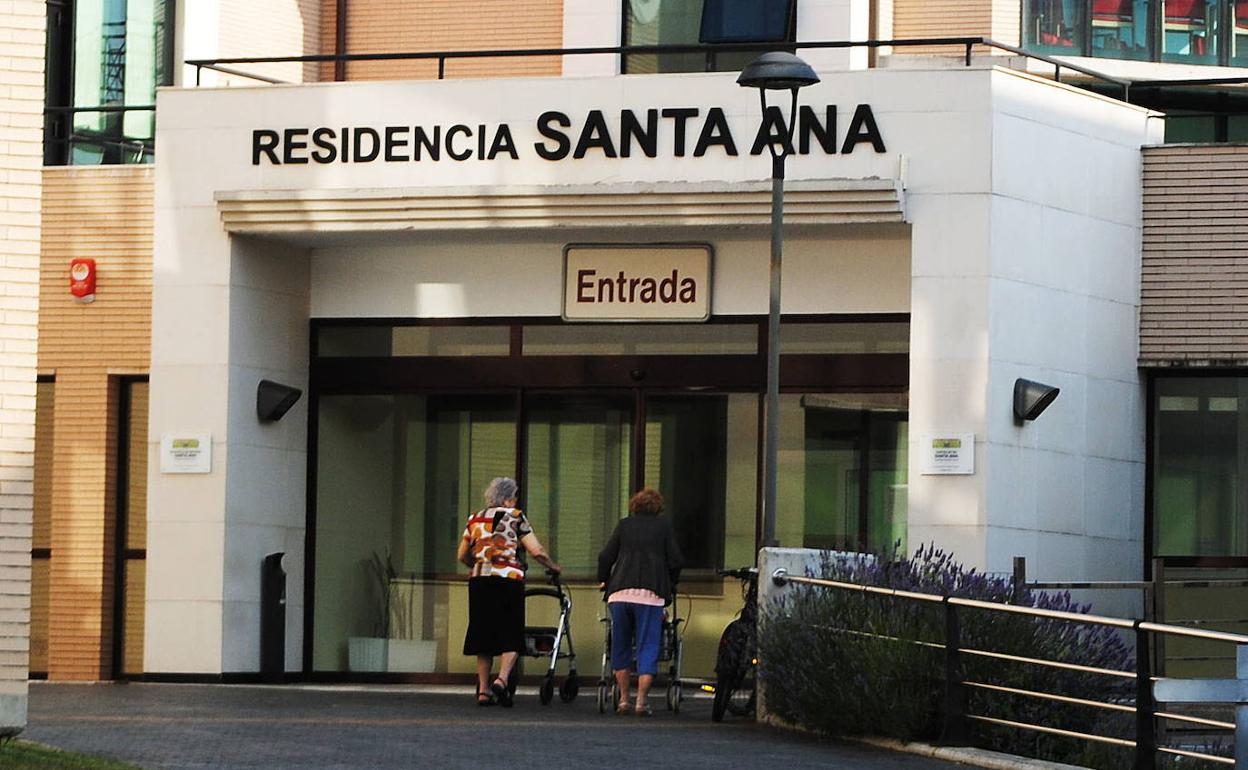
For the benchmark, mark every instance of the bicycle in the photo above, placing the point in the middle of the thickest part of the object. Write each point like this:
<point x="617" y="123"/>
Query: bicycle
<point x="736" y="662"/>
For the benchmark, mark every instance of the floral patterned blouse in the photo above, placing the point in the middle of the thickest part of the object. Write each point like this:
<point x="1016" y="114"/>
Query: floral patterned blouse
<point x="493" y="537"/>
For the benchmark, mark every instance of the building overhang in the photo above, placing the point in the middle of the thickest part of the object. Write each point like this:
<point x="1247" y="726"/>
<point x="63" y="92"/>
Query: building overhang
<point x="806" y="202"/>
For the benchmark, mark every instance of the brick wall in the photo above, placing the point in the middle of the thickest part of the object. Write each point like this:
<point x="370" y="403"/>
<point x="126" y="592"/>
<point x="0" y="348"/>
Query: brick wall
<point x="21" y="154"/>
<point x="1194" y="286"/>
<point x="389" y="26"/>
<point x="103" y="212"/>
<point x="998" y="19"/>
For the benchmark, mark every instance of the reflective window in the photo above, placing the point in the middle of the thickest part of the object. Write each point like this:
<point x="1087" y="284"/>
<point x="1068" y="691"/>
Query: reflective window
<point x="640" y="339"/>
<point x="1189" y="31"/>
<point x="818" y="338"/>
<point x="1055" y="26"/>
<point x="843" y="471"/>
<point x="1200" y="431"/>
<point x="1119" y="29"/>
<point x="690" y="22"/>
<point x="105" y="60"/>
<point x="386" y="341"/>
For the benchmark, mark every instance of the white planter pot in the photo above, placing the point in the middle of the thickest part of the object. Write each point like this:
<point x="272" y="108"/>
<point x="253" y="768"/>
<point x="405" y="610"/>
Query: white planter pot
<point x="367" y="653"/>
<point x="411" y="655"/>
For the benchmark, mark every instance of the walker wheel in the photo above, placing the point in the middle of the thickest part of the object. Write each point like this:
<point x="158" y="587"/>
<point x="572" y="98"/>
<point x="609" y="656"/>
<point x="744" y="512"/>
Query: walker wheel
<point x="547" y="691"/>
<point x="673" y="697"/>
<point x="569" y="689"/>
<point x="602" y="697"/>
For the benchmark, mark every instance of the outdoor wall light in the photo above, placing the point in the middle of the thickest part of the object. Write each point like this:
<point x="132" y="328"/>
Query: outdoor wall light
<point x="1031" y="399"/>
<point x="274" y="400"/>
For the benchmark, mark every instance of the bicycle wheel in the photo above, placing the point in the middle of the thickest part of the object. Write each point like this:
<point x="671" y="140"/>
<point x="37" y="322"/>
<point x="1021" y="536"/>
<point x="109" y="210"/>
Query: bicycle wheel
<point x="733" y="673"/>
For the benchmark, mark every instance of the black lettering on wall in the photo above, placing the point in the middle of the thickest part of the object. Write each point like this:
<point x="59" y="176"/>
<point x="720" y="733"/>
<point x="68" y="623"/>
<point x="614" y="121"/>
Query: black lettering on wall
<point x="503" y="143"/>
<point x="264" y="141"/>
<point x="346" y="145"/>
<point x="325" y="151"/>
<point x="394" y="143"/>
<point x="359" y="155"/>
<point x="294" y="139"/>
<point x="453" y="132"/>
<point x="631" y="129"/>
<point x="825" y="132"/>
<point x="679" y="116"/>
<point x="563" y="145"/>
<point x="715" y="132"/>
<point x="863" y="129"/>
<point x="422" y="142"/>
<point x="771" y="132"/>
<point x="595" y="134"/>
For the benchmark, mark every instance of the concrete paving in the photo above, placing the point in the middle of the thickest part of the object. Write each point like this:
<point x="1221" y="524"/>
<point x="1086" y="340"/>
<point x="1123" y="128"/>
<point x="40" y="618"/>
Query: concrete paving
<point x="184" y="727"/>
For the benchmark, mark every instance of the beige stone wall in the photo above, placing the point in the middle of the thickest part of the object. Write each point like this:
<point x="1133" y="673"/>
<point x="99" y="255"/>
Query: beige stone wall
<point x="997" y="19"/>
<point x="271" y="28"/>
<point x="1194" y="286"/>
<point x="21" y="155"/>
<point x="102" y="212"/>
<point x="390" y="26"/>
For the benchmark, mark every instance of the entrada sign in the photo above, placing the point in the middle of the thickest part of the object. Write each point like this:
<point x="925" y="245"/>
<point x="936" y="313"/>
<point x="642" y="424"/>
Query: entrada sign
<point x="680" y="130"/>
<point x="662" y="282"/>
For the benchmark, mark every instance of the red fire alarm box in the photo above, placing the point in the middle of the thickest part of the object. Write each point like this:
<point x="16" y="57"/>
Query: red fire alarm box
<point x="82" y="280"/>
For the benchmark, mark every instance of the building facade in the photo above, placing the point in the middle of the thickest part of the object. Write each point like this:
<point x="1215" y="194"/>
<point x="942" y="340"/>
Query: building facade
<point x="424" y="259"/>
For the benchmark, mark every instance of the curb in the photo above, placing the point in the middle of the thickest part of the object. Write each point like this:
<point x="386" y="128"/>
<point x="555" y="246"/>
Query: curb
<point x="966" y="756"/>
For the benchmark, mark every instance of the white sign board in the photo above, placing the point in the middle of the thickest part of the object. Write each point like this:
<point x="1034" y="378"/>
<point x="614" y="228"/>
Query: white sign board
<point x="186" y="453"/>
<point x="663" y="282"/>
<point x="948" y="454"/>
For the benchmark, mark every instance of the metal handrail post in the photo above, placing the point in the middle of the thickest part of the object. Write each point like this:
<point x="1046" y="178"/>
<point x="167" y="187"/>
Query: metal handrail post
<point x="1145" y="724"/>
<point x="1241" y="708"/>
<point x="954" y="731"/>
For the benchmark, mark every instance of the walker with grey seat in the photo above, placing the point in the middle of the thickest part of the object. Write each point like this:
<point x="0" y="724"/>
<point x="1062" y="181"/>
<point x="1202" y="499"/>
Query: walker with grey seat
<point x="671" y="651"/>
<point x="550" y="642"/>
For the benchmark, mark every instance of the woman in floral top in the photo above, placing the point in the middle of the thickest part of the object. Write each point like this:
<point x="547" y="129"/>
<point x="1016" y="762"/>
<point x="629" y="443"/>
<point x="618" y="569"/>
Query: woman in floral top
<point x="490" y="548"/>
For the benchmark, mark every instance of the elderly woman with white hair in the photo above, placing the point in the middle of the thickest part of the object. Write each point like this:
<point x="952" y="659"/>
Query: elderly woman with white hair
<point x="491" y="547"/>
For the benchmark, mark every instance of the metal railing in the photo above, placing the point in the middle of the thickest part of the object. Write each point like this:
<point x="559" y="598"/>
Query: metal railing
<point x="225" y="65"/>
<point x="956" y="714"/>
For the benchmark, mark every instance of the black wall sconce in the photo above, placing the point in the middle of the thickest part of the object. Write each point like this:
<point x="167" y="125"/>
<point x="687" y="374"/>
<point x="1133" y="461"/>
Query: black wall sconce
<point x="274" y="400"/>
<point x="1031" y="399"/>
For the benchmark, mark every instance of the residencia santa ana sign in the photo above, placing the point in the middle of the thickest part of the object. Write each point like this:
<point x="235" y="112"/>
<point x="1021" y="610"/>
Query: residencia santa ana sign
<point x="680" y="131"/>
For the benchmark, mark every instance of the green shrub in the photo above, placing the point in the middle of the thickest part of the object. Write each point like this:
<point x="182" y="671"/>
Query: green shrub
<point x="847" y="663"/>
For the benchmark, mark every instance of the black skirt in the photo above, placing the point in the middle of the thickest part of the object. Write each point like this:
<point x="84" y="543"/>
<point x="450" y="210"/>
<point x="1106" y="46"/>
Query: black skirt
<point x="495" y="616"/>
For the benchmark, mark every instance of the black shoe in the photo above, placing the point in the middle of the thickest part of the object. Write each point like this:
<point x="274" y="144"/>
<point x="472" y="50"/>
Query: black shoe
<point x="485" y="699"/>
<point x="501" y="693"/>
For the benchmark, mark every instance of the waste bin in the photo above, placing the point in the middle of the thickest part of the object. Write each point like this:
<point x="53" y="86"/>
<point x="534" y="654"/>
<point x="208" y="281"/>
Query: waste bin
<point x="272" y="618"/>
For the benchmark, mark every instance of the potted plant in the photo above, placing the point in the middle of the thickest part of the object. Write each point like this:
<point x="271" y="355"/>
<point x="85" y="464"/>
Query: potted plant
<point x="394" y="645"/>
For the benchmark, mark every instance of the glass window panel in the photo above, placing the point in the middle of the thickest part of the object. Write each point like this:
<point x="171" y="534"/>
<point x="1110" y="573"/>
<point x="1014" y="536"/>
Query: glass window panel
<point x="640" y="339"/>
<point x="686" y="460"/>
<point x="1239" y="35"/>
<point x="844" y="338"/>
<point x="1198" y="503"/>
<point x="45" y="396"/>
<point x="136" y="473"/>
<point x="1055" y="26"/>
<point x="680" y="22"/>
<point x="386" y="341"/>
<point x="120" y="56"/>
<point x="1189" y="31"/>
<point x="397" y="477"/>
<point x="1237" y="125"/>
<point x="1120" y="29"/>
<point x="843" y="465"/>
<point x="576" y="484"/>
<point x="745" y="21"/>
<point x="1182" y="129"/>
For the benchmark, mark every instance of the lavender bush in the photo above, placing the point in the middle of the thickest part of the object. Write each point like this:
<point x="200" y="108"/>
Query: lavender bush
<point x="844" y="663"/>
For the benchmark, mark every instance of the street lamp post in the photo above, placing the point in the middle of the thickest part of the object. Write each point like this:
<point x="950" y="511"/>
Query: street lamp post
<point x="775" y="71"/>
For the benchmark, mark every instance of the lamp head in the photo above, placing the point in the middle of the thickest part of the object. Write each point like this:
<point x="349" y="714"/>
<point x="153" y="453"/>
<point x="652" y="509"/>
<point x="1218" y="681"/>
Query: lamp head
<point x="273" y="400"/>
<point x="777" y="71"/>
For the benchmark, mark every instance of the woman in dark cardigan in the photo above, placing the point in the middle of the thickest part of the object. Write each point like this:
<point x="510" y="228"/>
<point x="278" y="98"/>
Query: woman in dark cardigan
<point x="638" y="569"/>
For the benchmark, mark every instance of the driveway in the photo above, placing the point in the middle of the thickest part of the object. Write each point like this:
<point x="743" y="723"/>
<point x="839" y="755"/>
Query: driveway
<point x="177" y="727"/>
